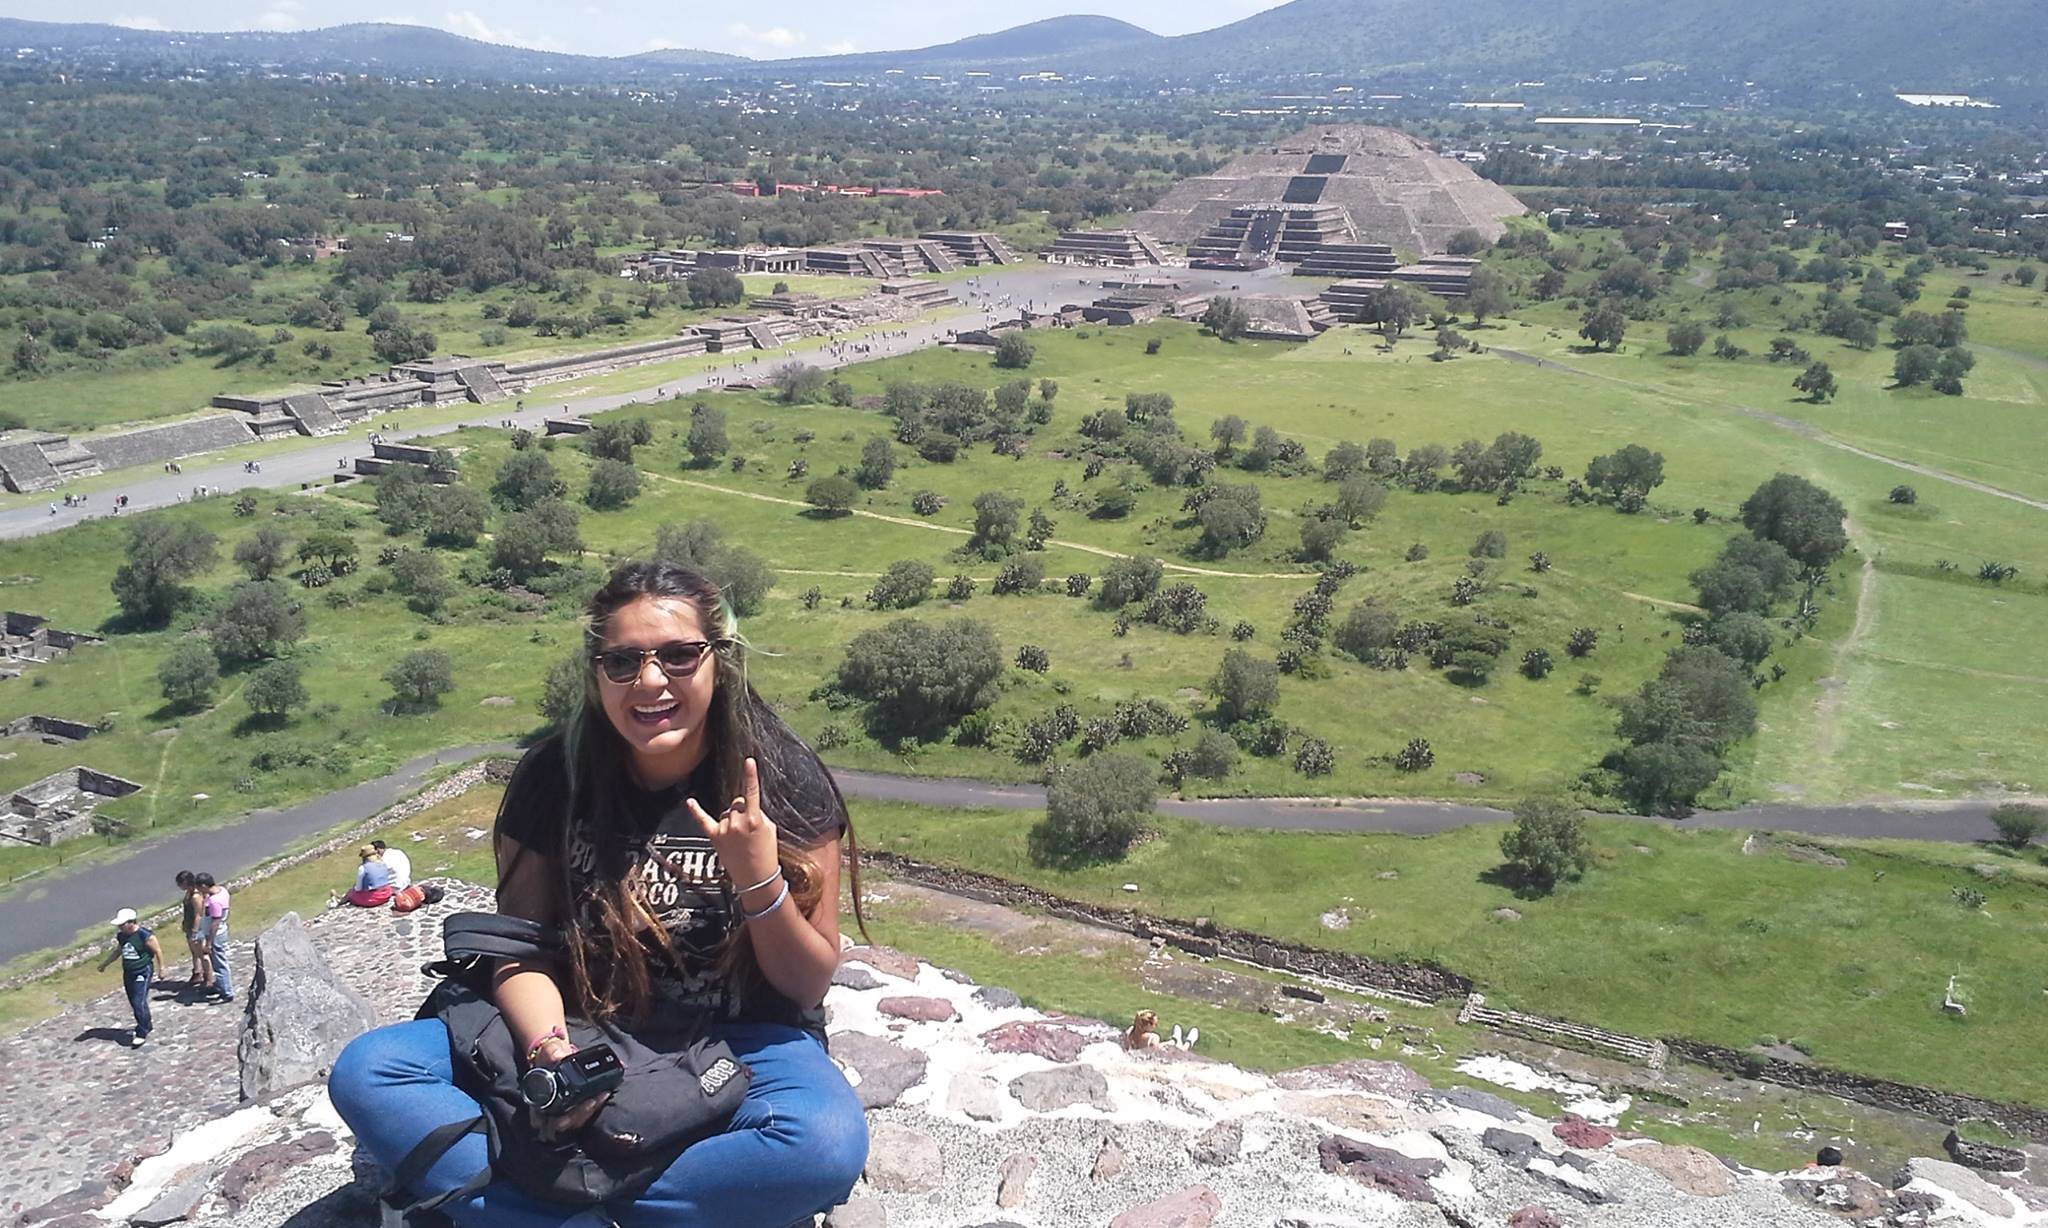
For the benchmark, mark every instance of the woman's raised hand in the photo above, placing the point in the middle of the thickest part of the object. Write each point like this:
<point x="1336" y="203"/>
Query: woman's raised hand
<point x="744" y="836"/>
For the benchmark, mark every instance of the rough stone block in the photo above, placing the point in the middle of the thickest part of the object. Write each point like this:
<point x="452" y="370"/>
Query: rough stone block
<point x="300" y="1013"/>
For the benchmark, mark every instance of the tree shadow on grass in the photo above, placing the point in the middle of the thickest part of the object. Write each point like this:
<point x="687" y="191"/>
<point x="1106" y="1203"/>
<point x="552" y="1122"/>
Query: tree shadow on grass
<point x="1512" y="878"/>
<point x="262" y="722"/>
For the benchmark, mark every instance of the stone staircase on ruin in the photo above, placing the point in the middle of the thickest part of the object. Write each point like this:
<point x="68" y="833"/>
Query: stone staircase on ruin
<point x="310" y="410"/>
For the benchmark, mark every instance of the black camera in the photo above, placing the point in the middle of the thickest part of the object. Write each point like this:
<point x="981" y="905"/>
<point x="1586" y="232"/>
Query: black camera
<point x="553" y="1090"/>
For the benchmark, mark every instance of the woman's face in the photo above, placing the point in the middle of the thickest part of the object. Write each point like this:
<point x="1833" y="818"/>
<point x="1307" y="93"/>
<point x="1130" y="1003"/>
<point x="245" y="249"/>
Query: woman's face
<point x="661" y="718"/>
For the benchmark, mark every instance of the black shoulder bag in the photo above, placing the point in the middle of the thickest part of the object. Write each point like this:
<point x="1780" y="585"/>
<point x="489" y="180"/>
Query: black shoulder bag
<point x="672" y="1096"/>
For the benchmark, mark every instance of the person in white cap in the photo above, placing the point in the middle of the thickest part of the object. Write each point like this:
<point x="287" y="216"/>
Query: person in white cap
<point x="139" y="954"/>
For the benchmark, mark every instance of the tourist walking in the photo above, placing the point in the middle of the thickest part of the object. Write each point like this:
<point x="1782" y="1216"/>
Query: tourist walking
<point x="192" y="915"/>
<point x="686" y="846"/>
<point x="214" y="924"/>
<point x="139" y="954"/>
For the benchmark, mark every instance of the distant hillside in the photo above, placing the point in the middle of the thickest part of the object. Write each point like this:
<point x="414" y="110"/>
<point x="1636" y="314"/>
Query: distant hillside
<point x="1049" y="43"/>
<point x="1957" y="44"/>
<point x="366" y="46"/>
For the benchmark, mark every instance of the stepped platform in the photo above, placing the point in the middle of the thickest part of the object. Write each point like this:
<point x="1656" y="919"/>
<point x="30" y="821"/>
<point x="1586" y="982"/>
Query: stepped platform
<point x="844" y="262"/>
<point x="973" y="248"/>
<point x="482" y="384"/>
<point x="1277" y="318"/>
<point x="24" y="467"/>
<point x="1117" y="248"/>
<point x="1388" y="188"/>
<point x="524" y="376"/>
<point x="157" y="444"/>
<point x="311" y="414"/>
<point x="765" y="336"/>
<point x="1348" y="260"/>
<point x="725" y="335"/>
<point x="909" y="257"/>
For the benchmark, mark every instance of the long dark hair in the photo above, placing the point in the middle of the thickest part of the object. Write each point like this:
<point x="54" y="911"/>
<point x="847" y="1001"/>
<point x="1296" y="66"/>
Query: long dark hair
<point x="611" y="961"/>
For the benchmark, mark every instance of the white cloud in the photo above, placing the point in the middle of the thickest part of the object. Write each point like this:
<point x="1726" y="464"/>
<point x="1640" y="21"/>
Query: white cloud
<point x="281" y="16"/>
<point x="466" y="23"/>
<point x="138" y="23"/>
<point x="844" y="46"/>
<point x="779" y="38"/>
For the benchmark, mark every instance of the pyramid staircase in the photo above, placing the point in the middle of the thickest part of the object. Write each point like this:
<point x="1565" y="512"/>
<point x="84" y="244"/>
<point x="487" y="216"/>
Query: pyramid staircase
<point x="311" y="412"/>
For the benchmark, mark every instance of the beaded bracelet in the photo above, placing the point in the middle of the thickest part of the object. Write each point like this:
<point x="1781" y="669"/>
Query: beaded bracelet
<point x="558" y="1032"/>
<point x="780" y="896"/>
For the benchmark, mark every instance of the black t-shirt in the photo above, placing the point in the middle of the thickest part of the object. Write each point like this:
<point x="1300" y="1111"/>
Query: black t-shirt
<point x="662" y="844"/>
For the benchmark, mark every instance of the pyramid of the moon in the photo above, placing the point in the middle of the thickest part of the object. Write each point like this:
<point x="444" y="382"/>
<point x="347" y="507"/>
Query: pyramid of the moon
<point x="1330" y="184"/>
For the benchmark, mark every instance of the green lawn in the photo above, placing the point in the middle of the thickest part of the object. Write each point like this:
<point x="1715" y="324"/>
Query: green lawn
<point x="1674" y="931"/>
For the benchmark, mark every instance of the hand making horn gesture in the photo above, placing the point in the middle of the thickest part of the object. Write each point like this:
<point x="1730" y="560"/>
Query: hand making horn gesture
<point x="743" y="836"/>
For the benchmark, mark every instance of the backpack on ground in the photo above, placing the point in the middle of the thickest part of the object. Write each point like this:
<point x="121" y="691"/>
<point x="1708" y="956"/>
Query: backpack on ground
<point x="680" y="1087"/>
<point x="406" y="899"/>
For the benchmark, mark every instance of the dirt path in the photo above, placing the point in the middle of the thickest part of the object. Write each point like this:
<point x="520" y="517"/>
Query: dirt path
<point x="1827" y="710"/>
<point x="1183" y="568"/>
<point x="1794" y="425"/>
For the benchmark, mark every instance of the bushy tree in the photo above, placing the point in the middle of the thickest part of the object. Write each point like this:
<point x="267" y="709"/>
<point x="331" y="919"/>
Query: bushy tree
<point x="709" y="287"/>
<point x="402" y="494"/>
<point x="257" y="619"/>
<point x="1800" y="516"/>
<point x="613" y="485"/>
<point x="1604" y="326"/>
<point x="1014" y="350"/>
<point x="1745" y="636"/>
<point x="918" y="678"/>
<point x="189" y="675"/>
<point x="1631" y="467"/>
<point x="561" y="691"/>
<point x="525" y="539"/>
<point x="1915" y="365"/>
<point x="1491" y="544"/>
<point x="743" y="576"/>
<point x="995" y="524"/>
<point x="1228" y="432"/>
<point x="1358" y="501"/>
<point x="1018" y="576"/>
<point x="1231" y="518"/>
<point x="1700" y="697"/>
<point x="1368" y="628"/>
<point x="1582" y="641"/>
<point x="1213" y="756"/>
<point x="455" y="516"/>
<point x="161" y="554"/>
<point x="1817" y="382"/>
<point x="706" y="440"/>
<point x="417" y="574"/>
<point x="1127" y="580"/>
<point x="877" y="464"/>
<point x="905" y="583"/>
<point x="1750" y="574"/>
<point x="1246" y="687"/>
<point x="832" y="494"/>
<point x="527" y="478"/>
<point x="1226" y="317"/>
<point x="1547" y="844"/>
<point x="264" y="552"/>
<point x="1686" y="337"/>
<point x="799" y="383"/>
<point x="274" y="689"/>
<point x="1094" y="810"/>
<point x="2019" y="824"/>
<point x="420" y="677"/>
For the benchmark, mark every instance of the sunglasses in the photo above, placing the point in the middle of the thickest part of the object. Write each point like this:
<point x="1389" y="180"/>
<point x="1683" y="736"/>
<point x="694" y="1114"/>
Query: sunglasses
<point x="677" y="659"/>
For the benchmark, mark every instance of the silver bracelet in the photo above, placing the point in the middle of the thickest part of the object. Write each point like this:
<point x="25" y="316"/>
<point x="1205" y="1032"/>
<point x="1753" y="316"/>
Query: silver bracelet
<point x="780" y="896"/>
<point x="763" y="883"/>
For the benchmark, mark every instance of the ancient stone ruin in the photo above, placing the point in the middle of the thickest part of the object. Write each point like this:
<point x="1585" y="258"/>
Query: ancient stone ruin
<point x="29" y="639"/>
<point x="1323" y="186"/>
<point x="60" y="806"/>
<point x="1116" y="248"/>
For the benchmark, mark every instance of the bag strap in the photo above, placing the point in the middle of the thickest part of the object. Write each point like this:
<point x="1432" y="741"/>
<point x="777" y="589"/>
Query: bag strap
<point x="472" y="935"/>
<point x="422" y="1157"/>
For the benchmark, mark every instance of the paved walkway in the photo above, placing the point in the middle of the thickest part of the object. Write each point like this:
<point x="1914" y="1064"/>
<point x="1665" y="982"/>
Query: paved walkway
<point x="75" y="1099"/>
<point x="51" y="909"/>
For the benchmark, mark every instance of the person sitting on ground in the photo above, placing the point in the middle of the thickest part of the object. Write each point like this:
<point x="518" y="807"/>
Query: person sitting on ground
<point x="373" y="880"/>
<point x="1144" y="1031"/>
<point x="687" y="846"/>
<point x="398" y="862"/>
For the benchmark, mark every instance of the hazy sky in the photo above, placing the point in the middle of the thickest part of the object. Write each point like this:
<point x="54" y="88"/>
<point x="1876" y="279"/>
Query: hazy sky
<point x="768" y="29"/>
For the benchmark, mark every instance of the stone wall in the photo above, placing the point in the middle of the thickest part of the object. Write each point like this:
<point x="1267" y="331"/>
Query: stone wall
<point x="2020" y="1119"/>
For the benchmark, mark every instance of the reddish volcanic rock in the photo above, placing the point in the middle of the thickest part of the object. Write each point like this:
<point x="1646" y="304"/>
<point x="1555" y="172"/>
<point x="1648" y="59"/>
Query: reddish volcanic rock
<point x="1361" y="1075"/>
<point x="1049" y="1041"/>
<point x="930" y="1010"/>
<point x="1535" y="1217"/>
<point x="885" y="959"/>
<point x="1192" y="1207"/>
<point x="1576" y="1131"/>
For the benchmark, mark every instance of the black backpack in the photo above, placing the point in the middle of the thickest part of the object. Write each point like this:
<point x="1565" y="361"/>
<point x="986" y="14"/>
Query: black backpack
<point x="679" y="1088"/>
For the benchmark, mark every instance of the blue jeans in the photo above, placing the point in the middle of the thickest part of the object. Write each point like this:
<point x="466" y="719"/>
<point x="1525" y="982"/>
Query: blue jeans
<point x="794" y="1148"/>
<point x="223" y="976"/>
<point x="138" y="997"/>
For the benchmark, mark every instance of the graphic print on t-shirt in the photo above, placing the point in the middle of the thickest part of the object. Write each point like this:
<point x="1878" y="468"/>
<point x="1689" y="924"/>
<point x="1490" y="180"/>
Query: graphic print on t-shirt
<point x="684" y="885"/>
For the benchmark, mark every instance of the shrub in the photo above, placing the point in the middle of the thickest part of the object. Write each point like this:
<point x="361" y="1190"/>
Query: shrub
<point x="1581" y="642"/>
<point x="918" y="678"/>
<point x="1315" y="758"/>
<point x="1094" y="810"/>
<point x="1014" y="351"/>
<point x="1020" y="575"/>
<point x="1242" y="630"/>
<point x="905" y="583"/>
<point x="2018" y="823"/>
<point x="960" y="588"/>
<point x="1547" y="844"/>
<point x="927" y="502"/>
<point x="1536" y="663"/>
<point x="1904" y="495"/>
<point x="1417" y="553"/>
<point x="1127" y="580"/>
<point x="613" y="485"/>
<point x="1414" y="757"/>
<point x="421" y="677"/>
<point x="1213" y="756"/>
<point x="1033" y="658"/>
<point x="833" y="494"/>
<point x="1369" y="627"/>
<point x="189" y="675"/>
<point x="1078" y="583"/>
